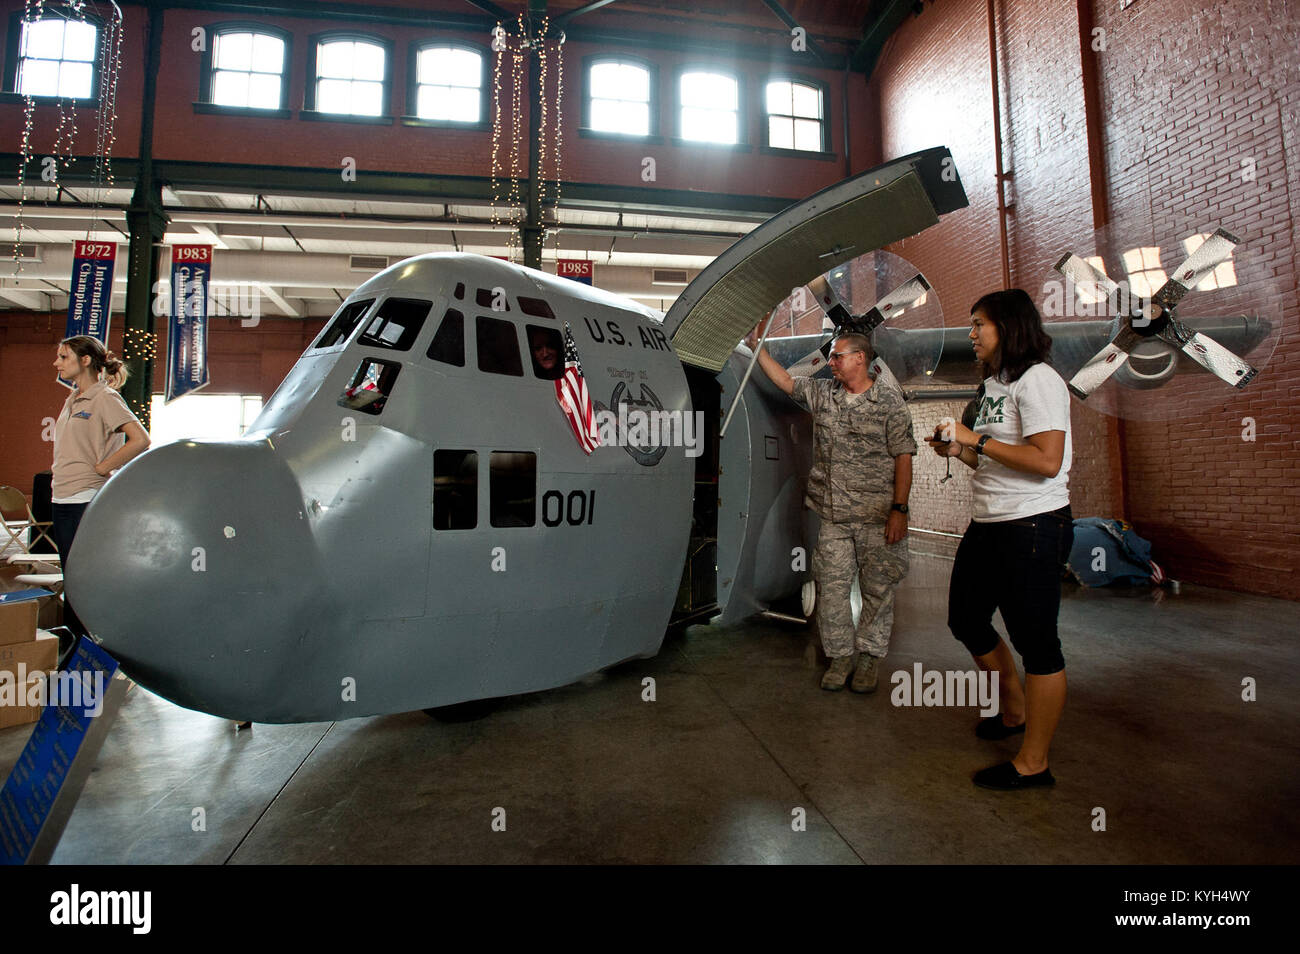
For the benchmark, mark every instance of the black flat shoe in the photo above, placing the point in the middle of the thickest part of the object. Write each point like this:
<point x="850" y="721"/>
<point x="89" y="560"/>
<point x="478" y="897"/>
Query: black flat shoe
<point x="1004" y="777"/>
<point x="993" y="728"/>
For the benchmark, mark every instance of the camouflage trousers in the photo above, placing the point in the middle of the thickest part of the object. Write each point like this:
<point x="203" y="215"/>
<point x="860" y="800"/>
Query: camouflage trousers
<point x="846" y="550"/>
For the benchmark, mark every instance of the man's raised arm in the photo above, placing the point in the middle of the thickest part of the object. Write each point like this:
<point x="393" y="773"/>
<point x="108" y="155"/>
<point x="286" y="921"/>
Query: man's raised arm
<point x="771" y="367"/>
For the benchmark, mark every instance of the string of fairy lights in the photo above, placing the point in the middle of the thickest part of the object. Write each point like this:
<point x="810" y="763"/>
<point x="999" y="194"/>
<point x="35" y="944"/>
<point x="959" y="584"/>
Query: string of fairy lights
<point x="65" y="133"/>
<point x="512" y="48"/>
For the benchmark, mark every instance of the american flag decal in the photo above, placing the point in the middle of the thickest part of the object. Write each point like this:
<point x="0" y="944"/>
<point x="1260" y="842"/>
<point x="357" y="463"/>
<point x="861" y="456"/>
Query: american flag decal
<point x="571" y="393"/>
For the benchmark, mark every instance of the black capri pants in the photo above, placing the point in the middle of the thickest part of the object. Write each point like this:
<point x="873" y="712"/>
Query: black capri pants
<point x="1013" y="566"/>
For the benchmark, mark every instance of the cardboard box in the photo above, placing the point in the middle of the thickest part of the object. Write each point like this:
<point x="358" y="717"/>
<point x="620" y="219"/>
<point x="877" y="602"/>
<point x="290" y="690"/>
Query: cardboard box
<point x="18" y="621"/>
<point x="33" y="660"/>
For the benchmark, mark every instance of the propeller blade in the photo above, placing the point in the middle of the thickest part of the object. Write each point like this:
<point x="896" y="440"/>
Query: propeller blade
<point x="1210" y="355"/>
<point x="812" y="362"/>
<point x="896" y="300"/>
<point x="1104" y="363"/>
<point x="1083" y="274"/>
<point x="1212" y="252"/>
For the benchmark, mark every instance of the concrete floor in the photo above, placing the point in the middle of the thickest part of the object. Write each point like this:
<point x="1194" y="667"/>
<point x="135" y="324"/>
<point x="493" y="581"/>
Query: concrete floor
<point x="1155" y="733"/>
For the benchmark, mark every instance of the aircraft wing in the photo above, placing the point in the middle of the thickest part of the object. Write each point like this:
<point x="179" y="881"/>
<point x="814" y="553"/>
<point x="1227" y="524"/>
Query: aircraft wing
<point x="843" y="221"/>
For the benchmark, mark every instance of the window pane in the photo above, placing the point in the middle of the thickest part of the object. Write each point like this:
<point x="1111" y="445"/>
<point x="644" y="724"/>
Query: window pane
<point x="709" y="89"/>
<point x="44" y="39"/>
<point x="780" y="132"/>
<point x="512" y="488"/>
<point x="620" y="81"/>
<point x="233" y="51"/>
<point x="345" y="320"/>
<point x="808" y="135"/>
<point x="79" y="41"/>
<point x="367" y="98"/>
<point x="268" y="53"/>
<point x="448" y="345"/>
<point x="230" y="89"/>
<point x="455" y="489"/>
<point x="264" y="91"/>
<point x="452" y="67"/>
<point x="368" y="62"/>
<point x="396" y="324"/>
<point x="39" y="78"/>
<point x="74" y="80"/>
<point x="779" y="98"/>
<point x="807" y="101"/>
<point x="371" y="386"/>
<point x="546" y="350"/>
<point x="443" y="102"/>
<point x="334" y="96"/>
<point x="334" y="59"/>
<point x="620" y="117"/>
<point x="708" y="125"/>
<point x="498" y="347"/>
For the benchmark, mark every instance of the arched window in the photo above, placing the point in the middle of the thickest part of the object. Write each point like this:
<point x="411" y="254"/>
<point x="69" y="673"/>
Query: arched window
<point x="620" y="97"/>
<point x="247" y="69"/>
<point x="448" y="84"/>
<point x="710" y="107"/>
<point x="796" y="116"/>
<point x="349" y="76"/>
<point x="57" y="57"/>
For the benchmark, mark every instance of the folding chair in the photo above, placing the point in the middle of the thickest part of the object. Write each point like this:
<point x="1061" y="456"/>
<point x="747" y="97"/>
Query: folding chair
<point x="18" y="519"/>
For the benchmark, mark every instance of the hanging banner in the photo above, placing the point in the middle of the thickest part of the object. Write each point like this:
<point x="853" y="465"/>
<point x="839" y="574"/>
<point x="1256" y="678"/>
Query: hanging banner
<point x="577" y="269"/>
<point x="187" y="332"/>
<point x="90" y="301"/>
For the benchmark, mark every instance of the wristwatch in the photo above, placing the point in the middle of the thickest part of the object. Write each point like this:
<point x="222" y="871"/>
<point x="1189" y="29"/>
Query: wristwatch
<point x="901" y="508"/>
<point x="979" y="448"/>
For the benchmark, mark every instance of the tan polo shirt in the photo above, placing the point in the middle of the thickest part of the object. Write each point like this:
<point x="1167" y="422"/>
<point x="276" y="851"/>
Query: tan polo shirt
<point x="84" y="434"/>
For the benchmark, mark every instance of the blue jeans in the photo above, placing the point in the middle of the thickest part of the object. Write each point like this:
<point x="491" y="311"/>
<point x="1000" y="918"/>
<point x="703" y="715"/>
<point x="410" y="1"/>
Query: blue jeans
<point x="1013" y="566"/>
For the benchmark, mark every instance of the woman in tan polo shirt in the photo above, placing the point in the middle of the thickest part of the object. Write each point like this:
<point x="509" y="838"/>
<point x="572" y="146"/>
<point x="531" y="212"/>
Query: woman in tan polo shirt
<point x="87" y="448"/>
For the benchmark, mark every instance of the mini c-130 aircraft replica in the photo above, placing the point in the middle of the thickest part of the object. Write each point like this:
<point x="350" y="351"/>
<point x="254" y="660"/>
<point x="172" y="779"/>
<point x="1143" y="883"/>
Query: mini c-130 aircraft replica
<point x="411" y="523"/>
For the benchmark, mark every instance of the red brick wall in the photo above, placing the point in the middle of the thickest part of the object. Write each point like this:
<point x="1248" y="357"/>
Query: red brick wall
<point x="240" y="361"/>
<point x="1186" y="94"/>
<point x="182" y="134"/>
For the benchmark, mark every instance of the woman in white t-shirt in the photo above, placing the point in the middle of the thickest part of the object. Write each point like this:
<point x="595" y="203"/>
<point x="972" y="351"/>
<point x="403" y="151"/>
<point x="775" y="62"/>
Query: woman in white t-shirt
<point x="88" y="439"/>
<point x="1021" y="529"/>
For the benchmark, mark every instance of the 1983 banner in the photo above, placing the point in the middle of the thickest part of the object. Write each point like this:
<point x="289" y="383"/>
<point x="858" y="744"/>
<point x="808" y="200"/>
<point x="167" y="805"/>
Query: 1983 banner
<point x="187" y="331"/>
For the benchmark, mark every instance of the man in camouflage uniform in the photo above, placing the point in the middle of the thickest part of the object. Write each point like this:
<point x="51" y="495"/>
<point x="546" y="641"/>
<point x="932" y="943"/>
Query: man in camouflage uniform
<point x="859" y="484"/>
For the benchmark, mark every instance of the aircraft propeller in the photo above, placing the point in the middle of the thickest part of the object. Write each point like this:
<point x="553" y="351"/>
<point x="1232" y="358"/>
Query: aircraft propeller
<point x="1157" y="319"/>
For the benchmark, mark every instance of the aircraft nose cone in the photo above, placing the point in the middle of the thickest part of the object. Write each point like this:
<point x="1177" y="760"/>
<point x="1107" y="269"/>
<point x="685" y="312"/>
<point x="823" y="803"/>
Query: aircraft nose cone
<point x="196" y="567"/>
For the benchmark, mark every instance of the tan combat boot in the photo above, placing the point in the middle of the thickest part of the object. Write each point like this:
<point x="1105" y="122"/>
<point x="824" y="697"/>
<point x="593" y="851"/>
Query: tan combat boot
<point x="838" y="672"/>
<point x="864" y="677"/>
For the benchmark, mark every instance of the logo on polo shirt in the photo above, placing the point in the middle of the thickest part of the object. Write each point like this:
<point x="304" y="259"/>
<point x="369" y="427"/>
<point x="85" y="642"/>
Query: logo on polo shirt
<point x="84" y="415"/>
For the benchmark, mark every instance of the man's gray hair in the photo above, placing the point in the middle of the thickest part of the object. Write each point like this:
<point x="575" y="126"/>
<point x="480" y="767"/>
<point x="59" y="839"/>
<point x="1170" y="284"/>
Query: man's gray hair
<point x="857" y="342"/>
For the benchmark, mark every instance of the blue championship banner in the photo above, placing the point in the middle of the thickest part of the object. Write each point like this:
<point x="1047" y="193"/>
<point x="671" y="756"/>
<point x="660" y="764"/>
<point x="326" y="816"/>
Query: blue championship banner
<point x="187" y="332"/>
<point x="42" y="789"/>
<point x="90" y="302"/>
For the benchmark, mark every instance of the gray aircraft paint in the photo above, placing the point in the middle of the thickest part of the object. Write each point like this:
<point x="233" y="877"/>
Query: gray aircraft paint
<point x="333" y="570"/>
<point x="321" y="563"/>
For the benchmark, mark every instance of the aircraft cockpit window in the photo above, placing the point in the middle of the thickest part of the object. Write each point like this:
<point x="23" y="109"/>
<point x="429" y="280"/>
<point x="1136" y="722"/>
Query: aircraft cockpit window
<point x="345" y="320"/>
<point x="537" y="307"/>
<point x="371" y="386"/>
<point x="546" y="348"/>
<point x="513" y="483"/>
<point x="498" y="346"/>
<point x="455" y="489"/>
<point x="396" y="324"/>
<point x="493" y="298"/>
<point x="448" y="344"/>
<point x="460" y="291"/>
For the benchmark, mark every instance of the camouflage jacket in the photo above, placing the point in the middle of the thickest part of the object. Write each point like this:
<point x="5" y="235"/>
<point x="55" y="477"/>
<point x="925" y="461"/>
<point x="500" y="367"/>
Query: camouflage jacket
<point x="854" y="446"/>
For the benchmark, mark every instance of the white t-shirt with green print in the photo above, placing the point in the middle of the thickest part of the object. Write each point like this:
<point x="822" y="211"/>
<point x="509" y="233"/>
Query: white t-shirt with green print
<point x="1011" y="413"/>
